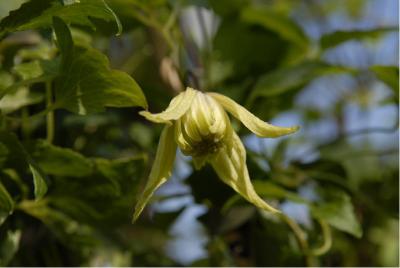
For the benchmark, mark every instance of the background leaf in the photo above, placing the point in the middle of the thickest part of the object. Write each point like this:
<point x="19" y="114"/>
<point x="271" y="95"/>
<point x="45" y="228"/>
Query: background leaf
<point x="338" y="211"/>
<point x="87" y="84"/>
<point x="9" y="246"/>
<point x="294" y="77"/>
<point x="335" y="38"/>
<point x="38" y="182"/>
<point x="19" y="156"/>
<point x="278" y="23"/>
<point x="60" y="161"/>
<point x="6" y="204"/>
<point x="389" y="75"/>
<point x="38" y="13"/>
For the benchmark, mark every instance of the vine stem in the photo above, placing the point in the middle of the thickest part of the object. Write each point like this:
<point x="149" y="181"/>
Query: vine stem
<point x="301" y="239"/>
<point x="50" y="114"/>
<point x="327" y="238"/>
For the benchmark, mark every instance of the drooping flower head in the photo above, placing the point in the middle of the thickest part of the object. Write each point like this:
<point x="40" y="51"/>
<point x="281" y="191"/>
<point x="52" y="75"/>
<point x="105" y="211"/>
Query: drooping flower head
<point x="198" y="124"/>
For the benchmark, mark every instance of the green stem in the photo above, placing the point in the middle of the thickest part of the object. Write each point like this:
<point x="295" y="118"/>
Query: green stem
<point x="327" y="236"/>
<point x="50" y="114"/>
<point x="301" y="239"/>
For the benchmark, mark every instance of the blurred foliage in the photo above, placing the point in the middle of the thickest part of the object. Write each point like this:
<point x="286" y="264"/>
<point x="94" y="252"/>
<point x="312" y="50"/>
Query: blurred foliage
<point x="74" y="153"/>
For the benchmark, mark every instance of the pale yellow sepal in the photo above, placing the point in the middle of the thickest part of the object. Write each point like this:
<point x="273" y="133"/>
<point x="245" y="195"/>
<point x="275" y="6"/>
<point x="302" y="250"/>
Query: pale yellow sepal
<point x="176" y="109"/>
<point x="253" y="123"/>
<point x="161" y="170"/>
<point x="230" y="166"/>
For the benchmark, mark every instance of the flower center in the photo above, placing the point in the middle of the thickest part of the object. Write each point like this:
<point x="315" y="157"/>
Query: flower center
<point x="202" y="129"/>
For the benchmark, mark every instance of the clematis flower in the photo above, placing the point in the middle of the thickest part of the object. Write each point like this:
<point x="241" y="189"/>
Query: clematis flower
<point x="198" y="124"/>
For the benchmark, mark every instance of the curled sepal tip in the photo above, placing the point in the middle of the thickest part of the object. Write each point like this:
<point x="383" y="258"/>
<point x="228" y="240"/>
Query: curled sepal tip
<point x="176" y="109"/>
<point x="252" y="122"/>
<point x="161" y="169"/>
<point x="230" y="165"/>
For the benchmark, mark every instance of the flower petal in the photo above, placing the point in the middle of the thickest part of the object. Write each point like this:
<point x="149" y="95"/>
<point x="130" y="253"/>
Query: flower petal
<point x="161" y="169"/>
<point x="177" y="107"/>
<point x="230" y="165"/>
<point x="257" y="126"/>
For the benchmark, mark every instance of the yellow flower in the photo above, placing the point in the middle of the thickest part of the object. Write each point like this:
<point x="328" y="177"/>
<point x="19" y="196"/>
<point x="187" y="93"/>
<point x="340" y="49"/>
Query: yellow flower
<point x="197" y="123"/>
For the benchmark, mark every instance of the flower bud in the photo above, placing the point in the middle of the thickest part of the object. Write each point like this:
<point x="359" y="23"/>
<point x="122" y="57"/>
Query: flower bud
<point x="202" y="129"/>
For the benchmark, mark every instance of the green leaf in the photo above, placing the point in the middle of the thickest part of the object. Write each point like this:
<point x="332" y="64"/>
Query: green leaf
<point x="19" y="157"/>
<point x="9" y="246"/>
<point x="361" y="164"/>
<point x="68" y="230"/>
<point x="338" y="211"/>
<point x="105" y="167"/>
<point x="75" y="208"/>
<point x="336" y="38"/>
<point x="87" y="84"/>
<point x="6" y="201"/>
<point x="254" y="56"/>
<point x="15" y="93"/>
<point x="38" y="182"/>
<point x="13" y="152"/>
<point x="236" y="217"/>
<point x="60" y="161"/>
<point x="272" y="190"/>
<point x="6" y="80"/>
<point x="29" y="70"/>
<point x="64" y="41"/>
<point x="19" y="98"/>
<point x="389" y="75"/>
<point x="3" y="216"/>
<point x="294" y="77"/>
<point x="36" y="14"/>
<point x="226" y="7"/>
<point x="141" y="134"/>
<point x="36" y="68"/>
<point x="276" y="22"/>
<point x="43" y="50"/>
<point x="6" y="204"/>
<point x="3" y="153"/>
